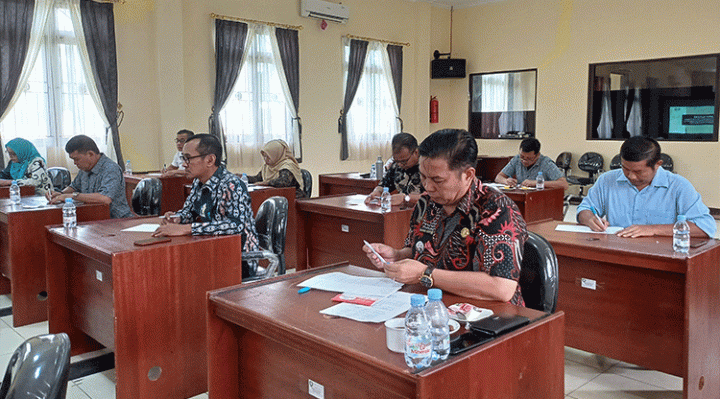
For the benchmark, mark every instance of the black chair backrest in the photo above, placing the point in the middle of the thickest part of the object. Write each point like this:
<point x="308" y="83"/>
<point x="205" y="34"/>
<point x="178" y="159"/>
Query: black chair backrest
<point x="59" y="176"/>
<point x="591" y="162"/>
<point x="38" y="368"/>
<point x="667" y="162"/>
<point x="307" y="182"/>
<point x="615" y="162"/>
<point x="271" y="226"/>
<point x="539" y="274"/>
<point x="563" y="161"/>
<point x="147" y="196"/>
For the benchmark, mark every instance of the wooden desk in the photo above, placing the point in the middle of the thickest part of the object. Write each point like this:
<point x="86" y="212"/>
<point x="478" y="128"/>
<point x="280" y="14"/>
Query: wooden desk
<point x="173" y="190"/>
<point x="22" y="256"/>
<point x="537" y="205"/>
<point x="25" y="191"/>
<point x="651" y="307"/>
<point x="345" y="183"/>
<point x="265" y="341"/>
<point x="489" y="166"/>
<point x="147" y="304"/>
<point x="335" y="227"/>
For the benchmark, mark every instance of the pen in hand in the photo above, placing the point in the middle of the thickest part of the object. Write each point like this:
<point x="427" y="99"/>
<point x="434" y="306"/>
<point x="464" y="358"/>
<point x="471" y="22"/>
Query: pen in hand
<point x="597" y="216"/>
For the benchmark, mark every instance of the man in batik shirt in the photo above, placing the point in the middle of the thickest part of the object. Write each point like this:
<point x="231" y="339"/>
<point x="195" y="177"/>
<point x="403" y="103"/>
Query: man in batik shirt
<point x="464" y="237"/>
<point x="403" y="176"/>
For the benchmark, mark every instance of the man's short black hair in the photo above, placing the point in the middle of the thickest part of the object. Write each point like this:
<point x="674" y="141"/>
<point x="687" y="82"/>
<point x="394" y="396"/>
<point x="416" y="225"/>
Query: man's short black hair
<point x="457" y="146"/>
<point x="208" y="144"/>
<point x="189" y="133"/>
<point x="82" y="144"/>
<point x="639" y="148"/>
<point x="404" y="140"/>
<point x="530" y="144"/>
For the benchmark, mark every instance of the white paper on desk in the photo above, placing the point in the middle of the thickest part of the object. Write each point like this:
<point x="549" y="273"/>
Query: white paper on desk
<point x="576" y="228"/>
<point x="143" y="228"/>
<point x="383" y="310"/>
<point x="349" y="284"/>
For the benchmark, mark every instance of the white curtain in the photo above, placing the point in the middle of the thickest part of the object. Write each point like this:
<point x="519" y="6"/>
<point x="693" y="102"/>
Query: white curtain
<point x="634" y="123"/>
<point x="258" y="110"/>
<point x="372" y="118"/>
<point x="605" y="126"/>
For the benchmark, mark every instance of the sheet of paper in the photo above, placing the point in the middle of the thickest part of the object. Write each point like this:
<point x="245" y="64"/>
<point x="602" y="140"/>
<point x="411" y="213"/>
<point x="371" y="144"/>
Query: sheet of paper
<point x="349" y="284"/>
<point x="576" y="228"/>
<point x="143" y="228"/>
<point x="381" y="311"/>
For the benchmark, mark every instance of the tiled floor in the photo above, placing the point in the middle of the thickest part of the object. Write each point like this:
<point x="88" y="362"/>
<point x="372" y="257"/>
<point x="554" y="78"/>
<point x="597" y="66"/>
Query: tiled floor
<point x="587" y="376"/>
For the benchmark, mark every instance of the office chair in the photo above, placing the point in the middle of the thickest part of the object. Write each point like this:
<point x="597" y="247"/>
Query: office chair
<point x="271" y="225"/>
<point x="59" y="176"/>
<point x="307" y="182"/>
<point x="615" y="162"/>
<point x="590" y="162"/>
<point x="563" y="162"/>
<point x="38" y="368"/>
<point x="667" y="162"/>
<point x="147" y="196"/>
<point x="539" y="274"/>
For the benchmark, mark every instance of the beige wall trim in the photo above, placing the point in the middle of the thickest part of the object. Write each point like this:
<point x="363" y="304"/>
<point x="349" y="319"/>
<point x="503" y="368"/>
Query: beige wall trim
<point x="377" y="40"/>
<point x="253" y="21"/>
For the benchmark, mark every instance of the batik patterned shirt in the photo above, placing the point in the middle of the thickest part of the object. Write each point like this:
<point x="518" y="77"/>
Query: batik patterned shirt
<point x="485" y="233"/>
<point x="221" y="206"/>
<point x="405" y="181"/>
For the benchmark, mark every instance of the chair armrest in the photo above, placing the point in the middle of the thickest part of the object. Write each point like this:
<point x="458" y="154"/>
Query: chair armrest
<point x="264" y="254"/>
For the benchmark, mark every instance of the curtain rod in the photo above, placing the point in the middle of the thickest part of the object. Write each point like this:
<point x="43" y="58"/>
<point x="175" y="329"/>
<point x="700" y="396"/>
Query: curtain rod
<point x="110" y="1"/>
<point x="377" y="40"/>
<point x="252" y="21"/>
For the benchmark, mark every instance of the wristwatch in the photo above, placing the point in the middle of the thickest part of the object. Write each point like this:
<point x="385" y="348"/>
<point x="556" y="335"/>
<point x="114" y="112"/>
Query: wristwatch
<point x="426" y="279"/>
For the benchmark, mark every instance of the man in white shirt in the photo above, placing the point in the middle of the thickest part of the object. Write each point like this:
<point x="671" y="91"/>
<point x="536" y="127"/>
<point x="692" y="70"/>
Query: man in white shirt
<point x="176" y="167"/>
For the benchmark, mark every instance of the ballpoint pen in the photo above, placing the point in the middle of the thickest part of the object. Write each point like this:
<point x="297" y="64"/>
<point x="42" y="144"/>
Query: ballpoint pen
<point x="595" y="212"/>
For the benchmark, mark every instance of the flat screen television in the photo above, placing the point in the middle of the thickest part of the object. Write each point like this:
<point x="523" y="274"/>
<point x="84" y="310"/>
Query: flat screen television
<point x="689" y="119"/>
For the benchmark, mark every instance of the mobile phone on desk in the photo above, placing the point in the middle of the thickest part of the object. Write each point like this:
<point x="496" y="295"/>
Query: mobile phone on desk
<point x="467" y="341"/>
<point x="151" y="241"/>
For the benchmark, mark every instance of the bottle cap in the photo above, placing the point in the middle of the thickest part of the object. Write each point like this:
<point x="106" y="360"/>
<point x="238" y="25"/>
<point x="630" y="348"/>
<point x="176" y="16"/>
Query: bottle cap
<point x="386" y="189"/>
<point x="539" y="173"/>
<point x="417" y="300"/>
<point x="68" y="200"/>
<point x="681" y="218"/>
<point x="435" y="294"/>
<point x="14" y="182"/>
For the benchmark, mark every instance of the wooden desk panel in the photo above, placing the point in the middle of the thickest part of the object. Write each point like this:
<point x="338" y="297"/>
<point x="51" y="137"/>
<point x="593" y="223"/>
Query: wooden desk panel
<point x="489" y="166"/>
<point x="173" y="190"/>
<point x="651" y="306"/>
<point x="145" y="303"/>
<point x="334" y="229"/>
<point x="259" y="347"/>
<point x="22" y="256"/>
<point x="25" y="191"/>
<point x="345" y="183"/>
<point x="537" y="205"/>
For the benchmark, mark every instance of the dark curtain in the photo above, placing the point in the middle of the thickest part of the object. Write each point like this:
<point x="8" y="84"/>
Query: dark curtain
<point x="287" y="40"/>
<point x="98" y="21"/>
<point x="395" y="55"/>
<point x="16" y="18"/>
<point x="358" y="50"/>
<point x="229" y="46"/>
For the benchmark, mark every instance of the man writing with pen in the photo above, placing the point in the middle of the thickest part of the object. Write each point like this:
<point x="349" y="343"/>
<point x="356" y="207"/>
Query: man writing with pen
<point x="465" y="237"/>
<point x="644" y="198"/>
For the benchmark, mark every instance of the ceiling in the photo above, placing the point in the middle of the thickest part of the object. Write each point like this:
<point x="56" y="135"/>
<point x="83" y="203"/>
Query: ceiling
<point x="458" y="3"/>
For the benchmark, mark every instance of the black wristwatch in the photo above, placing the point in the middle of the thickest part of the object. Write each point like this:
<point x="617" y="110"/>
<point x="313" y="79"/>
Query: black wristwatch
<point x="426" y="279"/>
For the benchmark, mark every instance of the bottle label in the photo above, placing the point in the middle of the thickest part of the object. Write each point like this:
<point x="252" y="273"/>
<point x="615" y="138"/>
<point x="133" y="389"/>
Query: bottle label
<point x="419" y="348"/>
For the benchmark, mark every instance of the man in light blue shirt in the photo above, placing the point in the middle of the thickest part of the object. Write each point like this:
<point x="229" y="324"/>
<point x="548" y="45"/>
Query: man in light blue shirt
<point x="644" y="198"/>
<point x="524" y="167"/>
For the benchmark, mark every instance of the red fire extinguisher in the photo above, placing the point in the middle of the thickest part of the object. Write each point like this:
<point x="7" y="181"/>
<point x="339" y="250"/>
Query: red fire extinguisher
<point x="433" y="109"/>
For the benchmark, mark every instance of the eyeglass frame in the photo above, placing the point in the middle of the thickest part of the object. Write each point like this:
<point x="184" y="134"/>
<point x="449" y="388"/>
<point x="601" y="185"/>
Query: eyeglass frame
<point x="187" y="159"/>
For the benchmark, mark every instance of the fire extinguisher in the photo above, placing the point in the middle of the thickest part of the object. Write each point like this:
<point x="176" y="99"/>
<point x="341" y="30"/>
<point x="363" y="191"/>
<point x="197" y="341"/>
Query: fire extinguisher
<point x="433" y="109"/>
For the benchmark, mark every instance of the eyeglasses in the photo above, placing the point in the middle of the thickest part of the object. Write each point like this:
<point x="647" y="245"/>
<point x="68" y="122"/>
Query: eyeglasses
<point x="180" y="141"/>
<point x="187" y="159"/>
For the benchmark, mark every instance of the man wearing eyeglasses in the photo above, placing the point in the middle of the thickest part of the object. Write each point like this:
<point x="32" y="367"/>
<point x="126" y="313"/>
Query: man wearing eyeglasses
<point x="524" y="168"/>
<point x="403" y="176"/>
<point x="176" y="167"/>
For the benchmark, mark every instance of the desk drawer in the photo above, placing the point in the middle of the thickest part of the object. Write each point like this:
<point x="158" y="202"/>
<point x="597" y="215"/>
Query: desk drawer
<point x="91" y="298"/>
<point x="331" y="239"/>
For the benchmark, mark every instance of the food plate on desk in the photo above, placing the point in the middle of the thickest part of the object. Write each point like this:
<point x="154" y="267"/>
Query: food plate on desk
<point x="465" y="312"/>
<point x="454" y="326"/>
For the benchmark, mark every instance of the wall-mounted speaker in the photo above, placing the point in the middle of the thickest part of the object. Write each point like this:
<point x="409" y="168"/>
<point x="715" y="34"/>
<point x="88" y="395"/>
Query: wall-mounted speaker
<point x="447" y="68"/>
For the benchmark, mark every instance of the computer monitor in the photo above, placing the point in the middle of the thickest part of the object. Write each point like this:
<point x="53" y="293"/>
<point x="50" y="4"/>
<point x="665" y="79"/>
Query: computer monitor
<point x="689" y="119"/>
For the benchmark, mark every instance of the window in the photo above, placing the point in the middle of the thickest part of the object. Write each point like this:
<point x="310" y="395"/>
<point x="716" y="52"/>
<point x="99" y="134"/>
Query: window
<point x="55" y="103"/>
<point x="256" y="111"/>
<point x="372" y="120"/>
<point x="502" y="104"/>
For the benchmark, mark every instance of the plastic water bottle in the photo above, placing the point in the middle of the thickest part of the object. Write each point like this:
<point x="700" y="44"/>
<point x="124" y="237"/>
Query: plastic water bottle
<point x="164" y="169"/>
<point x="69" y="214"/>
<point x="540" y="181"/>
<point x="373" y="171"/>
<point x="439" y="319"/>
<point x="128" y="167"/>
<point x="244" y="178"/>
<point x="681" y="235"/>
<point x="379" y="168"/>
<point x="15" y="192"/>
<point x="418" y="340"/>
<point x="385" y="200"/>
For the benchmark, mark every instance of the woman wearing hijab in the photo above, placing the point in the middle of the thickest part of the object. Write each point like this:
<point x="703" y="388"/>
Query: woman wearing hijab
<point x="26" y="166"/>
<point x="280" y="169"/>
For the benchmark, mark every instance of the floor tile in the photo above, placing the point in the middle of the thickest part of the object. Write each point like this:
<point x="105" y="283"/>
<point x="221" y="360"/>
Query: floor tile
<point x="652" y="377"/>
<point x="201" y="396"/>
<point x="5" y="301"/>
<point x="74" y="392"/>
<point x="614" y="386"/>
<point x="4" y="360"/>
<point x="33" y="330"/>
<point x="98" y="386"/>
<point x="577" y="375"/>
<point x="599" y="362"/>
<point x="9" y="340"/>
<point x="8" y="320"/>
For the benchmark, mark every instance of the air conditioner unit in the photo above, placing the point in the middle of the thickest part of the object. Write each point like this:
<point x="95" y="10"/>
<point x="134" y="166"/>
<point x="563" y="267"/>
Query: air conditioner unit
<point x="324" y="10"/>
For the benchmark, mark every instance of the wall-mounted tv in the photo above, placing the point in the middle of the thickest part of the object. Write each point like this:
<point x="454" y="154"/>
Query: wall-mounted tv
<point x="688" y="119"/>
